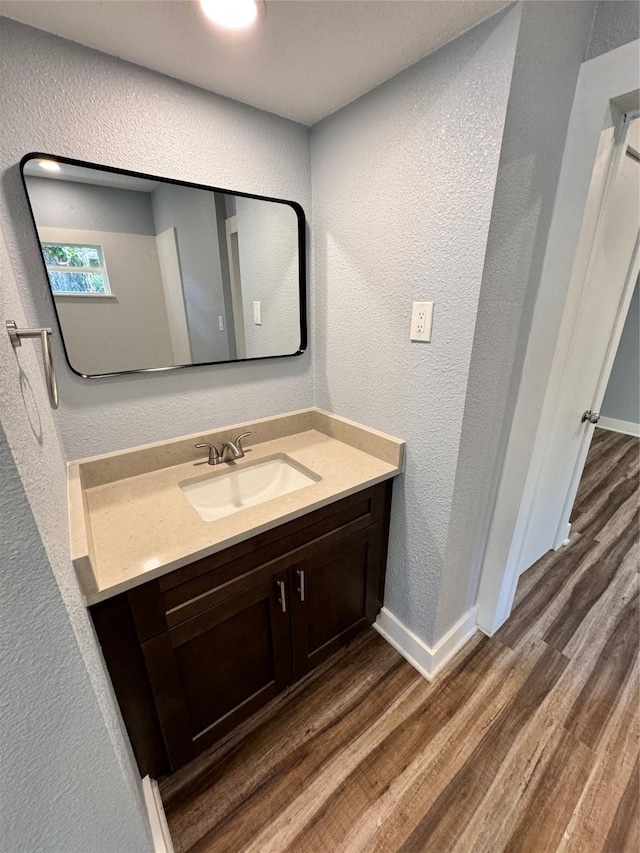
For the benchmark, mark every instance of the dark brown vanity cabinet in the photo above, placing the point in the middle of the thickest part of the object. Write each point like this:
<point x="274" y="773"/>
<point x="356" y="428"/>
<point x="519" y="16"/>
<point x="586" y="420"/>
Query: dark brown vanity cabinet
<point x="200" y="649"/>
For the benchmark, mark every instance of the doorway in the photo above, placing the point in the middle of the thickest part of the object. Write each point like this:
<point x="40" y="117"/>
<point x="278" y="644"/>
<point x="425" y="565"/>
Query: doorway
<point x="605" y="104"/>
<point x="595" y="333"/>
<point x="620" y="409"/>
<point x="592" y="470"/>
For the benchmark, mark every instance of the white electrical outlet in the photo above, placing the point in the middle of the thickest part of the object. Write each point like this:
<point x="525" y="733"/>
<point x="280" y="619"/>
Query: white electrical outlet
<point x="257" y="313"/>
<point x="221" y="323"/>
<point x="421" y="321"/>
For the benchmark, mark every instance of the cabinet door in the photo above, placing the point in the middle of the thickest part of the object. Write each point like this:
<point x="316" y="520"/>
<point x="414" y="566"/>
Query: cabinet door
<point x="334" y="594"/>
<point x="212" y="671"/>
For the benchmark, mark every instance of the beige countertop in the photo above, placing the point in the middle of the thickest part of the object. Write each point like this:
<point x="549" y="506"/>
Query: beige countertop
<point x="130" y="521"/>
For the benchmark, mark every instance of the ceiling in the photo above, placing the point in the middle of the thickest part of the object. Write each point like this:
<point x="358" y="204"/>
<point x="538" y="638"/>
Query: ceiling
<point x="84" y="175"/>
<point x="304" y="59"/>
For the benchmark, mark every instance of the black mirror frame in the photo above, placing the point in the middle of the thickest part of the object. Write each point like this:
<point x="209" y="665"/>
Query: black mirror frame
<point x="302" y="261"/>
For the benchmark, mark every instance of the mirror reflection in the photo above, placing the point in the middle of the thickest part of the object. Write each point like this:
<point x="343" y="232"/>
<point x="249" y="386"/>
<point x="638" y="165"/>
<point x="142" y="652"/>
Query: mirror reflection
<point x="147" y="273"/>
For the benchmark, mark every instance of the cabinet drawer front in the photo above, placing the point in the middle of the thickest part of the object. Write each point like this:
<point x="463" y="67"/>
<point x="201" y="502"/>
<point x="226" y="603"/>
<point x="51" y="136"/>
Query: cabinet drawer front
<point x="210" y="580"/>
<point x="212" y="671"/>
<point x="191" y="609"/>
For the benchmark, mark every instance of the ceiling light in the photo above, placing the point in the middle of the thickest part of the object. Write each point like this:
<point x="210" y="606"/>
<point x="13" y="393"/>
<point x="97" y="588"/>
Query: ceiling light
<point x="233" y="14"/>
<point x="49" y="165"/>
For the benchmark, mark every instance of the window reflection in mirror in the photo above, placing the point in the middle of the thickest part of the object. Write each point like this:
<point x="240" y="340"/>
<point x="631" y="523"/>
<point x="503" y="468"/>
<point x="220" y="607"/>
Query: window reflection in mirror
<point x="147" y="273"/>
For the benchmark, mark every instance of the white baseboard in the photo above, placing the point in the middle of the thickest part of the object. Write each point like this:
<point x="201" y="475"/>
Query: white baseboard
<point x="627" y="427"/>
<point x="159" y="827"/>
<point x="428" y="661"/>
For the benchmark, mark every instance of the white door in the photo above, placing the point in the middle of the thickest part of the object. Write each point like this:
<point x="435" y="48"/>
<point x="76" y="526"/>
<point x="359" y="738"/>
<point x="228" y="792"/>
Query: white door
<point x="167" y="244"/>
<point x="236" y="285"/>
<point x="604" y="302"/>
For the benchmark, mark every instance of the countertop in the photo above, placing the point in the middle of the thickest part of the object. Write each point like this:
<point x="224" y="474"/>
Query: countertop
<point x="131" y="522"/>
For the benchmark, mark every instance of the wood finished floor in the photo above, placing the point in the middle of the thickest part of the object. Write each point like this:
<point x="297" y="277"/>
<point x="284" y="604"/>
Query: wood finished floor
<point x="528" y="742"/>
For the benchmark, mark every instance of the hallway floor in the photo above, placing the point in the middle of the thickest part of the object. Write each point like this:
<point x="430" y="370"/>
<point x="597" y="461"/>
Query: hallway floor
<point x="528" y="742"/>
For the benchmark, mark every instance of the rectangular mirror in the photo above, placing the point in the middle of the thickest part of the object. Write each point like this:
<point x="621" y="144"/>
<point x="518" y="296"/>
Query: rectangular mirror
<point x="151" y="274"/>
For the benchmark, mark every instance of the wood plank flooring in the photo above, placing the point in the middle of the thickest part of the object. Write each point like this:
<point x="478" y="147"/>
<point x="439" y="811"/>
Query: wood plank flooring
<point x="529" y="741"/>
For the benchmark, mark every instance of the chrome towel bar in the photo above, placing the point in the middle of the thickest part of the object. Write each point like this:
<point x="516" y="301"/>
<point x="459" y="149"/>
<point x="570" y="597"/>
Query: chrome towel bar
<point x="16" y="335"/>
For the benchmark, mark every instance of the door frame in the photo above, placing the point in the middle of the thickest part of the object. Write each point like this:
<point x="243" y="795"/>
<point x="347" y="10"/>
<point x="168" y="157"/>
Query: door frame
<point x="607" y="87"/>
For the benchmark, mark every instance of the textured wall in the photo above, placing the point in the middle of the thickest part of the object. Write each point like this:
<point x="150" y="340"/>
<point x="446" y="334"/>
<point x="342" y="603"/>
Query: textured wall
<point x="403" y="183"/>
<point x="140" y="121"/>
<point x="30" y="429"/>
<point x="540" y="101"/>
<point x="61" y="788"/>
<point x="616" y="22"/>
<point x="622" y="398"/>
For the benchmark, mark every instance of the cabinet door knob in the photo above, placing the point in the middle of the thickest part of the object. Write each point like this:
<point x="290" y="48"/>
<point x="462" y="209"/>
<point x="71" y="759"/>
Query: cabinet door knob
<point x="282" y="596"/>
<point x="300" y="573"/>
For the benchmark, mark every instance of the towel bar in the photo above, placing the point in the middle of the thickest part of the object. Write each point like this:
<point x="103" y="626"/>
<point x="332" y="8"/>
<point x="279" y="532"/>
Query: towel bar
<point x="16" y="335"/>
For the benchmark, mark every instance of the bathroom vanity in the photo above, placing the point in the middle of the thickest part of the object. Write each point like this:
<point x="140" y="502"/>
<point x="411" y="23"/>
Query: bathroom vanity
<point x="201" y="621"/>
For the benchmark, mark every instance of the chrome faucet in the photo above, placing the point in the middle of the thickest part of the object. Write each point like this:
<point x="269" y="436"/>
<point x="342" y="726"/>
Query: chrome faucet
<point x="214" y="455"/>
<point x="235" y="448"/>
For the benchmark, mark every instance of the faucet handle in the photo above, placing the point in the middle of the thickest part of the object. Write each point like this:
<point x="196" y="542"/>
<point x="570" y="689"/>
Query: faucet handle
<point x="214" y="455"/>
<point x="238" y="441"/>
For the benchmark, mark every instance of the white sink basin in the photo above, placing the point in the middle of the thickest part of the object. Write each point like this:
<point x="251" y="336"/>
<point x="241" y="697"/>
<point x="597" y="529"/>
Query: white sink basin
<point x="231" y="489"/>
